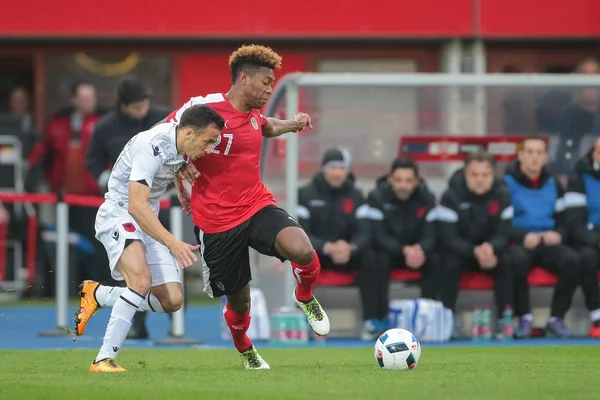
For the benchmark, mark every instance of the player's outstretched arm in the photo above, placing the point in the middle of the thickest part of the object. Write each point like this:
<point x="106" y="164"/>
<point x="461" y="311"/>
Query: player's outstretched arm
<point x="277" y="127"/>
<point x="148" y="221"/>
<point x="143" y="214"/>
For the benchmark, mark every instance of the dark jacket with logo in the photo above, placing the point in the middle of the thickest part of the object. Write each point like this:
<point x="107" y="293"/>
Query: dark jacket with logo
<point x="329" y="214"/>
<point x="467" y="220"/>
<point x="397" y="223"/>
<point x="582" y="203"/>
<point x="536" y="209"/>
<point x="111" y="134"/>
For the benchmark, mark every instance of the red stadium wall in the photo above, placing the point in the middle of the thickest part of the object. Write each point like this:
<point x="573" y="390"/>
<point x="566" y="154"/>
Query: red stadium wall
<point x="208" y="73"/>
<point x="238" y="19"/>
<point x="309" y="19"/>
<point x="538" y="18"/>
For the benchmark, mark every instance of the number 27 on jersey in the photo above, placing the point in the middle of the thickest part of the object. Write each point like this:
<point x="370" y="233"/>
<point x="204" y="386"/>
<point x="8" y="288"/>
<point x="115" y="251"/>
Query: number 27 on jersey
<point x="229" y="138"/>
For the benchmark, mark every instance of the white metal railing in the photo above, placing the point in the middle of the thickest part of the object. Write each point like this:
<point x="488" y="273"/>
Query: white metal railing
<point x="290" y="85"/>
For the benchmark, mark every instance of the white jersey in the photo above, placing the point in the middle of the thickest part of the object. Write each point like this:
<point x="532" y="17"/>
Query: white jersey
<point x="150" y="157"/>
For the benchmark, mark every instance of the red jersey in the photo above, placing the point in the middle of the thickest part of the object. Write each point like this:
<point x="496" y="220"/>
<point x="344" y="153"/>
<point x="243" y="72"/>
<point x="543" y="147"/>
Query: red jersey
<point x="229" y="190"/>
<point x="67" y="166"/>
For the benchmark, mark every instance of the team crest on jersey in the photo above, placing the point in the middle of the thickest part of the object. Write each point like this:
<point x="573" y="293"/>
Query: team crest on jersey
<point x="254" y="123"/>
<point x="129" y="227"/>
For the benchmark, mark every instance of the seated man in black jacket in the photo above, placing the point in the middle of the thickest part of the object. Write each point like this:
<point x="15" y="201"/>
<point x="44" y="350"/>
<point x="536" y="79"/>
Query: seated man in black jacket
<point x="582" y="214"/>
<point x="334" y="214"/>
<point x="403" y="231"/>
<point x="474" y="219"/>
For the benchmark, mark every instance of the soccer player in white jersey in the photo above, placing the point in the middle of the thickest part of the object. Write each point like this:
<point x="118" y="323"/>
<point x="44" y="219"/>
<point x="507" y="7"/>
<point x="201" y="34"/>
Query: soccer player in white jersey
<point x="140" y="250"/>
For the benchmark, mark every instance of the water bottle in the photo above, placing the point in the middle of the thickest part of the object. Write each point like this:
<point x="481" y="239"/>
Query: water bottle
<point x="276" y="328"/>
<point x="486" y="324"/>
<point x="507" y="324"/>
<point x="289" y="327"/>
<point x="303" y="335"/>
<point x="476" y="324"/>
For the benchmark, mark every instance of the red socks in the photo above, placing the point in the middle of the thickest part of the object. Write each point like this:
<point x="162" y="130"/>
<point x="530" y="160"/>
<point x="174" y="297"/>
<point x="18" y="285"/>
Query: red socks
<point x="238" y="326"/>
<point x="307" y="276"/>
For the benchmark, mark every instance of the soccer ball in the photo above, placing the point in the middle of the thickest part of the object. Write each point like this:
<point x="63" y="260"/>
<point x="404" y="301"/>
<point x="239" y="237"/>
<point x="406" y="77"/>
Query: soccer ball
<point x="397" y="349"/>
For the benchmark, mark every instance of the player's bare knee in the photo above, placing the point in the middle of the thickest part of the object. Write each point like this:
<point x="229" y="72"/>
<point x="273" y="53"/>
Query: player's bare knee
<point x="172" y="301"/>
<point x="303" y="254"/>
<point x="294" y="244"/>
<point x="240" y="301"/>
<point x="240" y="307"/>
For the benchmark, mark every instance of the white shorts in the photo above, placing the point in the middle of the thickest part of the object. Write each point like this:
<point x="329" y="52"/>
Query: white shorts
<point x="114" y="226"/>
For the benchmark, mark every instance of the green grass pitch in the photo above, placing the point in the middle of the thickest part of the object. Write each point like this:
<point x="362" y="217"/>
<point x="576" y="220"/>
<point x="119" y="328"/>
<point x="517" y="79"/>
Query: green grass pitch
<point x="565" y="372"/>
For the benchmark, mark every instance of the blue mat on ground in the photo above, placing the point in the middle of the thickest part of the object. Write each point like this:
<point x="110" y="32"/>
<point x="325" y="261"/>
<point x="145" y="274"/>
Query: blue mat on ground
<point x="19" y="328"/>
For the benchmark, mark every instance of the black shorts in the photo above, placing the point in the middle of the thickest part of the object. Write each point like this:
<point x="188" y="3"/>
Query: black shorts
<point x="225" y="255"/>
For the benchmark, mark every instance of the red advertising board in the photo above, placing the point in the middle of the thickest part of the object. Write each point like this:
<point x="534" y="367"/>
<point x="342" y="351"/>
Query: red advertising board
<point x="457" y="148"/>
<point x="236" y="18"/>
<point x="539" y="18"/>
<point x="306" y="19"/>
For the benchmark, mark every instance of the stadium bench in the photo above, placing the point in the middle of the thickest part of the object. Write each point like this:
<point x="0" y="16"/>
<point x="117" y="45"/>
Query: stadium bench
<point x="469" y="280"/>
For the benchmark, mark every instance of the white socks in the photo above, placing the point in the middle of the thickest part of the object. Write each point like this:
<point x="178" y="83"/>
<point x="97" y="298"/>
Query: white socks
<point x="119" y="324"/>
<point x="107" y="296"/>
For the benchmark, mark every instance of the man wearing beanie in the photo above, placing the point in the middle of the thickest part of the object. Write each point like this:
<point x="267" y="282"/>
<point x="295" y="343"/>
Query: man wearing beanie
<point x="133" y="114"/>
<point x="334" y="214"/>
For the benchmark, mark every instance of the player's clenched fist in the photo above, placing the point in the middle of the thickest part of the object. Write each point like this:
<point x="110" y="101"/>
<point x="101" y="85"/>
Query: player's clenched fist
<point x="303" y="120"/>
<point x="183" y="253"/>
<point x="189" y="173"/>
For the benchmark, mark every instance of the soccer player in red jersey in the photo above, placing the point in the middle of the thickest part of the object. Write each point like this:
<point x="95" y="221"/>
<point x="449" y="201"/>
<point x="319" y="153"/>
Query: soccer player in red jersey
<point x="232" y="208"/>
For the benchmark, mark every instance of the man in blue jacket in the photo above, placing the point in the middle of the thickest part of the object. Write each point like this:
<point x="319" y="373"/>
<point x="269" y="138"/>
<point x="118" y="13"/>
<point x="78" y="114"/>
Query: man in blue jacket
<point x="582" y="202"/>
<point x="539" y="233"/>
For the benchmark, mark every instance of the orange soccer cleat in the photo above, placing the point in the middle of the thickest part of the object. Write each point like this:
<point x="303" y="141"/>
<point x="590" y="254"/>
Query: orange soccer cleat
<point x="88" y="306"/>
<point x="106" y="365"/>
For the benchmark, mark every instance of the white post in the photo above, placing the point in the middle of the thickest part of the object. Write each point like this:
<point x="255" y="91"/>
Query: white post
<point x="61" y="270"/>
<point x="177" y="336"/>
<point x="480" y="67"/>
<point x="452" y="64"/>
<point x="291" y="175"/>
<point x="176" y="217"/>
<point x="62" y="263"/>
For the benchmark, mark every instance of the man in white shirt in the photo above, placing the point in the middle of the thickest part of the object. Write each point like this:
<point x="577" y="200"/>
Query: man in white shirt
<point x="140" y="250"/>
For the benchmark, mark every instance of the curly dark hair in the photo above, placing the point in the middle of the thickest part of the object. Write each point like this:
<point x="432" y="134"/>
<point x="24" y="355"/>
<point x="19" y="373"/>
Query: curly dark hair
<point x="250" y="58"/>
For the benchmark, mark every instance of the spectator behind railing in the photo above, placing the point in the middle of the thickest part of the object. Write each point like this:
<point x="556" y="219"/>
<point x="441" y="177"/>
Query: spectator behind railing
<point x="578" y="120"/>
<point x="474" y="218"/>
<point x="539" y="233"/>
<point x="403" y="230"/>
<point x="133" y="114"/>
<point x="582" y="202"/>
<point x="65" y="143"/>
<point x="62" y="152"/>
<point x="20" y="107"/>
